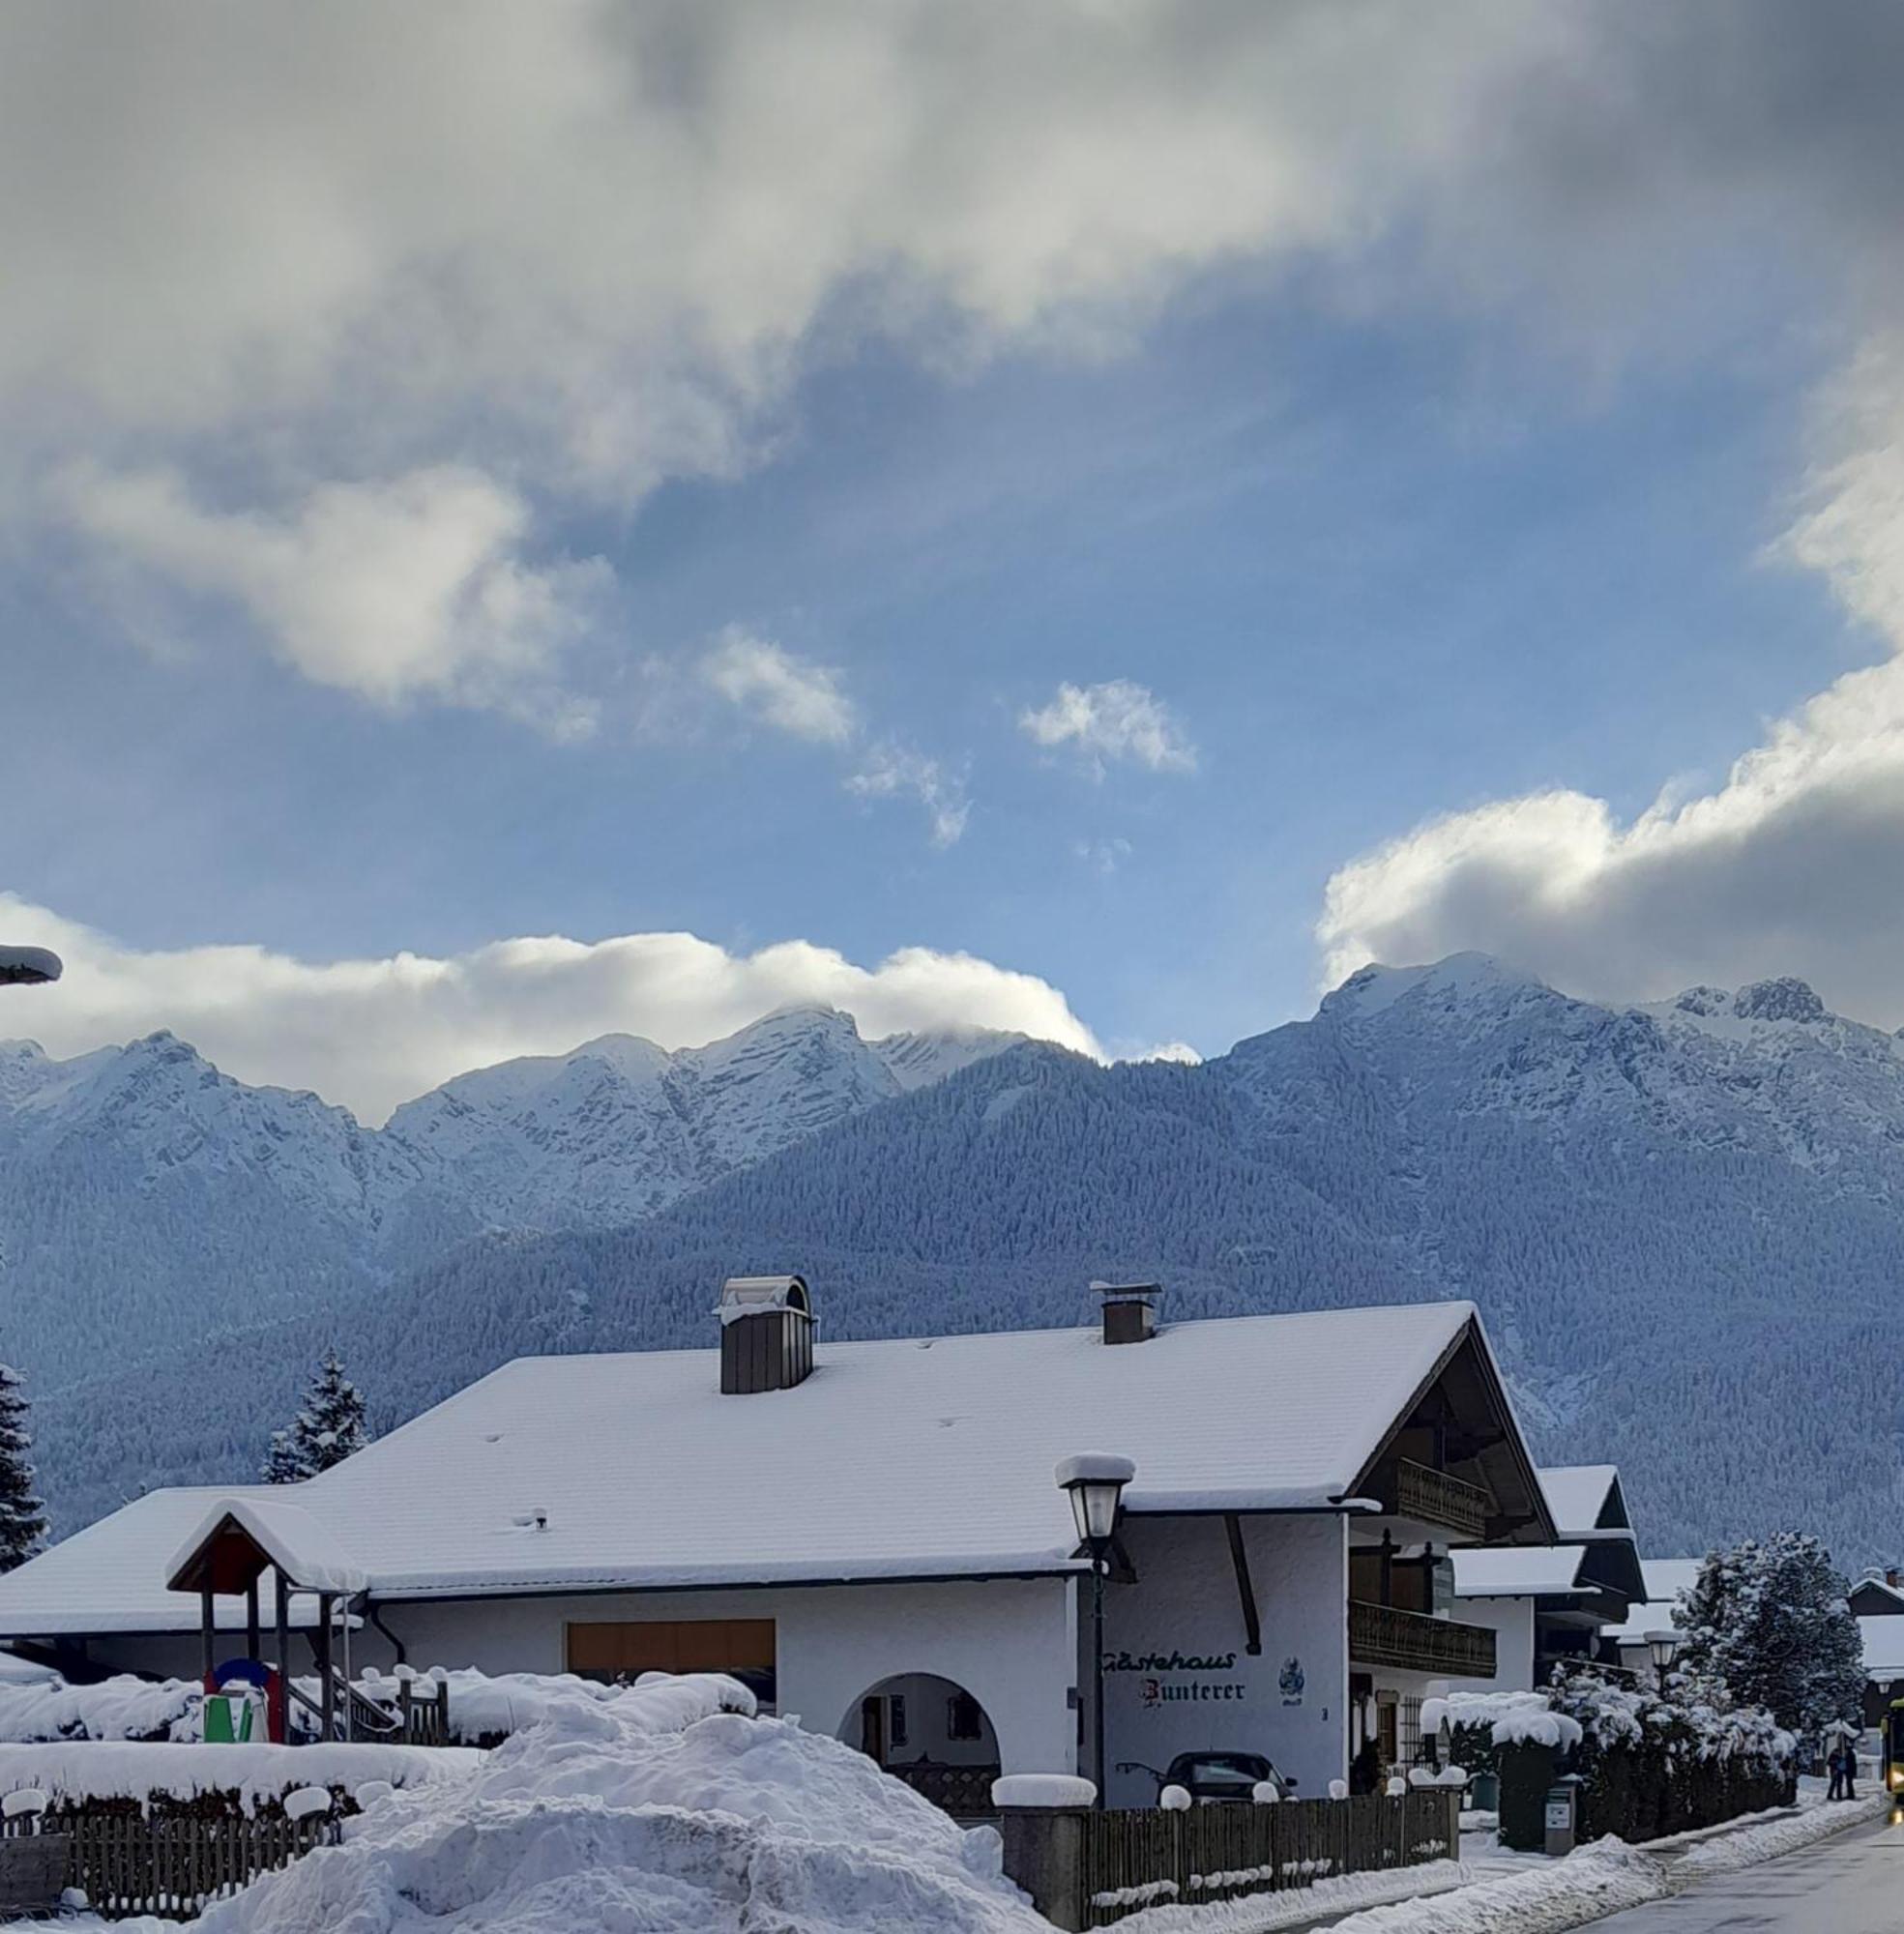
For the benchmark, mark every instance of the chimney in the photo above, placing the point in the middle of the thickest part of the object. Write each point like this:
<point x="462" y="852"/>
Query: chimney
<point x="765" y="1334"/>
<point x="1130" y="1311"/>
<point x="1891" y="1576"/>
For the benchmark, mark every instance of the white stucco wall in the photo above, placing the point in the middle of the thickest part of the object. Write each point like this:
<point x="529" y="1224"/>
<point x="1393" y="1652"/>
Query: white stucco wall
<point x="1011" y="1642"/>
<point x="1513" y="1623"/>
<point x="1185" y="1606"/>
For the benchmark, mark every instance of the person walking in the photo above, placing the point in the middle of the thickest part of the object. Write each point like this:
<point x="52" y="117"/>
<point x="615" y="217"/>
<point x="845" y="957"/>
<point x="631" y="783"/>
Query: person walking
<point x="1848" y="1742"/>
<point x="1834" y="1765"/>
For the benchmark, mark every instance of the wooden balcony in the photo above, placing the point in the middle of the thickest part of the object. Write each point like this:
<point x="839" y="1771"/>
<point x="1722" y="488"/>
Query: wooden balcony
<point x="1414" y="1642"/>
<point x="1433" y="1497"/>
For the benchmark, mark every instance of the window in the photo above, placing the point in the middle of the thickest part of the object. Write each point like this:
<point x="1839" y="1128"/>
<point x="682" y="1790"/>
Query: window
<point x="1408" y="1732"/>
<point x="619" y="1653"/>
<point x="963" y="1719"/>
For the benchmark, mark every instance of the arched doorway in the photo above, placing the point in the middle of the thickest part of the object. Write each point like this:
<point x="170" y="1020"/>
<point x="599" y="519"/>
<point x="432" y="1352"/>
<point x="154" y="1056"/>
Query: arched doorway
<point x="932" y="1734"/>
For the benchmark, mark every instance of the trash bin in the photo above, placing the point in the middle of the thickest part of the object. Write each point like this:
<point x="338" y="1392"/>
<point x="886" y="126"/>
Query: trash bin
<point x="1484" y="1793"/>
<point x="1563" y="1815"/>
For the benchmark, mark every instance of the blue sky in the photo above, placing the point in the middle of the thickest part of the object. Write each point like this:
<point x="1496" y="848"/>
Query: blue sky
<point x="1375" y="542"/>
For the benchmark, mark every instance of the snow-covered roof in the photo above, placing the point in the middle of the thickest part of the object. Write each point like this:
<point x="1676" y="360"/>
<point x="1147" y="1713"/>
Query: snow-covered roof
<point x="1884" y="1649"/>
<point x="111" y="1577"/>
<point x="294" y="1540"/>
<point x="1665" y="1579"/>
<point x="1577" y="1494"/>
<point x="915" y="1457"/>
<point x="1519" y="1571"/>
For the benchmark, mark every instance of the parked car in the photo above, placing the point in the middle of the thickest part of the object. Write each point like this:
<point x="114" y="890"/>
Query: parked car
<point x="1216" y="1777"/>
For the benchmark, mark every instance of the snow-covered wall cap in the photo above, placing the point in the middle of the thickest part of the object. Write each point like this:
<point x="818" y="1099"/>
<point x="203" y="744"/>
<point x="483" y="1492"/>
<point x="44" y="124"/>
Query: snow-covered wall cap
<point x="27" y="965"/>
<point x="305" y="1550"/>
<point x="1042" y="1789"/>
<point x="1094" y="1467"/>
<point x="752" y="1295"/>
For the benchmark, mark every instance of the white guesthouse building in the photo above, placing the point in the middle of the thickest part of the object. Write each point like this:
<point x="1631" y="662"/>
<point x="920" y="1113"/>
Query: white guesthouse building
<point x="872" y="1536"/>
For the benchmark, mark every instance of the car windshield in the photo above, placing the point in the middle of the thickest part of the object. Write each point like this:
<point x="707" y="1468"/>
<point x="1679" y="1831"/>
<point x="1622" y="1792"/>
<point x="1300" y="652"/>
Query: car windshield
<point x="1198" y="1768"/>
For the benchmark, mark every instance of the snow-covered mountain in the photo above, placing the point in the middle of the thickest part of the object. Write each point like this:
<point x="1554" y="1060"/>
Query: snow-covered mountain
<point x="1685" y="1220"/>
<point x="145" y="1196"/>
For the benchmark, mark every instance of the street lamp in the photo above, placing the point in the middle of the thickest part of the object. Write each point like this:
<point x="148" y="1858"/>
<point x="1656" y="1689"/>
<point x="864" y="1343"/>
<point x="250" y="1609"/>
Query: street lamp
<point x="27" y="966"/>
<point x="1095" y="1482"/>
<point x="1664" y="1648"/>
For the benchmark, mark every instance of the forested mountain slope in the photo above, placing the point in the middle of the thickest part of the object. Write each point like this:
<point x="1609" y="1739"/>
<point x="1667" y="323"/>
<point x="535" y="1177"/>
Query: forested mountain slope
<point x="1683" y="1224"/>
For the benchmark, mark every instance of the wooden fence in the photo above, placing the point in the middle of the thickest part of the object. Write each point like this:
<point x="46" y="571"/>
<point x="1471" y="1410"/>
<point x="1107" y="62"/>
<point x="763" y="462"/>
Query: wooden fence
<point x="1087" y="1869"/>
<point x="165" y="1863"/>
<point x="965" y="1792"/>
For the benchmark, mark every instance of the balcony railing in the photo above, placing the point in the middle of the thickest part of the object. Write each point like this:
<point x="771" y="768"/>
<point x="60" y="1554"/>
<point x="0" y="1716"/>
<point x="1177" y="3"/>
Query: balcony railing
<point x="1414" y="1642"/>
<point x="1433" y="1497"/>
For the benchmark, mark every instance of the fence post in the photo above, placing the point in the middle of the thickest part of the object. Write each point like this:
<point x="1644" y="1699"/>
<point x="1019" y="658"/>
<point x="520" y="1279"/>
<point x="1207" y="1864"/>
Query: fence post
<point x="1045" y="1854"/>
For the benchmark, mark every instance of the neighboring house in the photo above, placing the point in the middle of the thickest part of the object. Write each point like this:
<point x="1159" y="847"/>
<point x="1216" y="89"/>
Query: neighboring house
<point x="1555" y="1607"/>
<point x="872" y="1536"/>
<point x="1657" y="1616"/>
<point x="1879" y="1604"/>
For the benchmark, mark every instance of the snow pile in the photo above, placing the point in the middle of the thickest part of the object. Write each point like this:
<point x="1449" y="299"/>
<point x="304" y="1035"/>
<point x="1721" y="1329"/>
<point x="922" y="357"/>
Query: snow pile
<point x="1301" y="1907"/>
<point x="1767" y="1840"/>
<point x="76" y="1771"/>
<point x="662" y="1809"/>
<point x="46" y="1707"/>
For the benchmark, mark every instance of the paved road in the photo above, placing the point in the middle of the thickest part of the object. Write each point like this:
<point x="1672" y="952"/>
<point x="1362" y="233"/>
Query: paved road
<point x="1851" y="1883"/>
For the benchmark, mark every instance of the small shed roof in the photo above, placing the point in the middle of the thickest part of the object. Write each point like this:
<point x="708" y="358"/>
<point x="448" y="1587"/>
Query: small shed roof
<point x="240" y="1536"/>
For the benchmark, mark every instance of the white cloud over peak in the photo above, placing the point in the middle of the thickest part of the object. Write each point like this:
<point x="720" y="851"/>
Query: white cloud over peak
<point x="371" y="1033"/>
<point x="1790" y="867"/>
<point x="400" y="589"/>
<point x="1116" y="720"/>
<point x="772" y="685"/>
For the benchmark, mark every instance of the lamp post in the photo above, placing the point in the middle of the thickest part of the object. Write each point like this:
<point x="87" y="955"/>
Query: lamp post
<point x="1095" y="1482"/>
<point x="28" y="966"/>
<point x="1664" y="1648"/>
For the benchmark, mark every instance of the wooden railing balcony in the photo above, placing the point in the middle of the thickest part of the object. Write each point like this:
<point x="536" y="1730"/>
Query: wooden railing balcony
<point x="1414" y="1642"/>
<point x="1433" y="1497"/>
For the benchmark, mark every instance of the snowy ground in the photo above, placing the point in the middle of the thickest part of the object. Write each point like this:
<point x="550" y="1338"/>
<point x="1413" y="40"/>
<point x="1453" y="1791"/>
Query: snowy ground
<point x="1493" y="1890"/>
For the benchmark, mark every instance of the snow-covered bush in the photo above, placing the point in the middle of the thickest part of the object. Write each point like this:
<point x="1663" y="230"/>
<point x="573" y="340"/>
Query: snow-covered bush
<point x="1772" y="1623"/>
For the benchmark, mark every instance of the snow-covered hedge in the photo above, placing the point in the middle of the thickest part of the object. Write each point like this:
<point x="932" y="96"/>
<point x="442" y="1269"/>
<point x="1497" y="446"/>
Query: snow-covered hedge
<point x="45" y="1707"/>
<point x="216" y="1778"/>
<point x="36" y="1704"/>
<point x="1649" y="1766"/>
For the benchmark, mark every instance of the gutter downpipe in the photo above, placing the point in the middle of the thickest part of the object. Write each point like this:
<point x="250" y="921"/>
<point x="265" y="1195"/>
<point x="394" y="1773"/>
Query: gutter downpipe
<point x="373" y="1615"/>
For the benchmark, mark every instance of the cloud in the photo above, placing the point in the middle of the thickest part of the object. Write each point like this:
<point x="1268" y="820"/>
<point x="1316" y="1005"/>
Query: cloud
<point x="1791" y="866"/>
<point x="585" y="248"/>
<point x="892" y="769"/>
<point x="406" y="589"/>
<point x="778" y="688"/>
<point x="1112" y="721"/>
<point x="371" y="1033"/>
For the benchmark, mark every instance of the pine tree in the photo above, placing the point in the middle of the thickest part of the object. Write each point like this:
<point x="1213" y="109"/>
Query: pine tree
<point x="325" y="1430"/>
<point x="22" y="1518"/>
<point x="1772" y="1623"/>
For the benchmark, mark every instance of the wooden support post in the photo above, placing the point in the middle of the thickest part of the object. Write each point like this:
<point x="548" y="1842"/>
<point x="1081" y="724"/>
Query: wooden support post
<point x="251" y="1641"/>
<point x="207" y="1622"/>
<point x="321" y="1648"/>
<point x="280" y="1594"/>
<point x="1252" y="1626"/>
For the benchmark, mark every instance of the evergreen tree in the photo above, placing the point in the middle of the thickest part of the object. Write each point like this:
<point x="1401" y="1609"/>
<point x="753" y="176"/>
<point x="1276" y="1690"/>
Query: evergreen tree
<point x="1772" y="1623"/>
<point x="325" y="1430"/>
<point x="22" y="1518"/>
